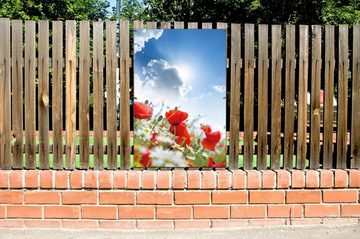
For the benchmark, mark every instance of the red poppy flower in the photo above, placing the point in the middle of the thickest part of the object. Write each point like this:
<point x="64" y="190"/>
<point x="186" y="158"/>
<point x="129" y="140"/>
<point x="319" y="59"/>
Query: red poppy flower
<point x="145" y="159"/>
<point x="175" y="117"/>
<point x="211" y="139"/>
<point x="182" y="133"/>
<point x="142" y="111"/>
<point x="153" y="137"/>
<point x="212" y="164"/>
<point x="206" y="129"/>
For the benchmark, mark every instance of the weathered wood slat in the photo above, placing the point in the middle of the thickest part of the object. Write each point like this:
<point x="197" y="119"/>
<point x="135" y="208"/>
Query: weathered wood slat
<point x="111" y="65"/>
<point x="263" y="60"/>
<point x="192" y="25"/>
<point x="98" y="65"/>
<point x="17" y="92"/>
<point x="138" y="25"/>
<point x="206" y="25"/>
<point x="355" y="127"/>
<point x="30" y="94"/>
<point x="84" y="82"/>
<point x="165" y="25"/>
<point x="70" y="83"/>
<point x="276" y="62"/>
<point x="124" y="95"/>
<point x="235" y="95"/>
<point x="329" y="95"/>
<point x="290" y="65"/>
<point x="249" y="96"/>
<point x="178" y="25"/>
<point x="57" y="93"/>
<point x="151" y="25"/>
<point x="342" y="97"/>
<point x="5" y="105"/>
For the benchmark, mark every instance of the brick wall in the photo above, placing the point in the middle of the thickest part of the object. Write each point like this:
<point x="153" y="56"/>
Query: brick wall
<point x="177" y="199"/>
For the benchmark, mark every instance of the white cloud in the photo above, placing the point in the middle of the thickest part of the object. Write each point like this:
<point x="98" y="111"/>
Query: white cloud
<point x="142" y="36"/>
<point x="219" y="88"/>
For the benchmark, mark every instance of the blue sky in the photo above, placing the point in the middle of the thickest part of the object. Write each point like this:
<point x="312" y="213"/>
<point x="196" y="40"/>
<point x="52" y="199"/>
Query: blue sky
<point x="185" y="69"/>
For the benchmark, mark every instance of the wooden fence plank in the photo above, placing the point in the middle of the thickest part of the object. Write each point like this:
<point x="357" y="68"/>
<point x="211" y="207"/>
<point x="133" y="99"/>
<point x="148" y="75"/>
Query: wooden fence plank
<point x="43" y="93"/>
<point x="289" y="97"/>
<point x="124" y="95"/>
<point x="206" y="25"/>
<point x="235" y="95"/>
<point x="165" y="25"/>
<point x="151" y="25"/>
<point x="262" y="69"/>
<point x="70" y="53"/>
<point x="30" y="94"/>
<point x="57" y="93"/>
<point x="5" y="105"/>
<point x="138" y="25"/>
<point x="249" y="96"/>
<point x="17" y="92"/>
<point x="276" y="62"/>
<point x="355" y="127"/>
<point x="342" y="97"/>
<point x="192" y="25"/>
<point x="329" y="95"/>
<point x="302" y="95"/>
<point x="84" y="82"/>
<point x="178" y="25"/>
<point x="98" y="68"/>
<point x="111" y="65"/>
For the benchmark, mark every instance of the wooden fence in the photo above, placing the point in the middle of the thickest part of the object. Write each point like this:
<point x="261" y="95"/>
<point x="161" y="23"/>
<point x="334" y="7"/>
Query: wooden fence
<point x="48" y="78"/>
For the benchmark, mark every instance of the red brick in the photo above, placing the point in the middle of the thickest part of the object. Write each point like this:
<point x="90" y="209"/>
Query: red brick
<point x="179" y="179"/>
<point x="2" y="211"/>
<point x="154" y="225"/>
<point x="148" y="180"/>
<point x="156" y="198"/>
<point x="208" y="179"/>
<point x="41" y="197"/>
<point x="31" y="179"/>
<point x="11" y="197"/>
<point x="286" y="211"/>
<point x="24" y="211"/>
<point x="341" y="178"/>
<point x="4" y="178"/>
<point x="105" y="179"/>
<point x="11" y="223"/>
<point x="136" y="212"/>
<point x="173" y="212"/>
<point x="350" y="210"/>
<point x="303" y="196"/>
<point x="99" y="212"/>
<point x="297" y="179"/>
<point x="191" y="197"/>
<point x="311" y="179"/>
<point x="117" y="197"/>
<point x="253" y="179"/>
<point x="120" y="179"/>
<point x="224" y="179"/>
<point x="205" y="212"/>
<point x="90" y="179"/>
<point x="61" y="179"/>
<point x="133" y="179"/>
<point x="76" y="179"/>
<point x="163" y="180"/>
<point x="322" y="210"/>
<point x="80" y="224"/>
<point x="354" y="178"/>
<point x="16" y="179"/>
<point x="46" y="179"/>
<point x="192" y="224"/>
<point x="267" y="196"/>
<point x="326" y="178"/>
<point x="268" y="179"/>
<point x="43" y="223"/>
<point x="123" y="224"/>
<point x="193" y="179"/>
<point x="79" y="197"/>
<point x="225" y="197"/>
<point x="283" y="178"/>
<point x="61" y="212"/>
<point x="267" y="222"/>
<point x="340" y="221"/>
<point x="238" y="179"/>
<point x="248" y="211"/>
<point x="340" y="196"/>
<point x="229" y="223"/>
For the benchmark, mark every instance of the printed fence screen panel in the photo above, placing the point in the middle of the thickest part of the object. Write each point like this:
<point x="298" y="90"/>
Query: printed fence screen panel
<point x="179" y="98"/>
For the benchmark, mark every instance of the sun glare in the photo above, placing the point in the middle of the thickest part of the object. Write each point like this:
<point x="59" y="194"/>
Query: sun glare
<point x="185" y="72"/>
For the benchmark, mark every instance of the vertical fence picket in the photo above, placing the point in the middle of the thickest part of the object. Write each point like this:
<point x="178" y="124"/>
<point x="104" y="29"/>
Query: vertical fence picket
<point x="276" y="63"/>
<point x="151" y="25"/>
<point x="355" y="122"/>
<point x="206" y="25"/>
<point x="98" y="81"/>
<point x="84" y="82"/>
<point x="165" y="25"/>
<point x="111" y="65"/>
<point x="329" y="95"/>
<point x="342" y="97"/>
<point x="262" y="69"/>
<point x="179" y="25"/>
<point x="17" y="92"/>
<point x="192" y="25"/>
